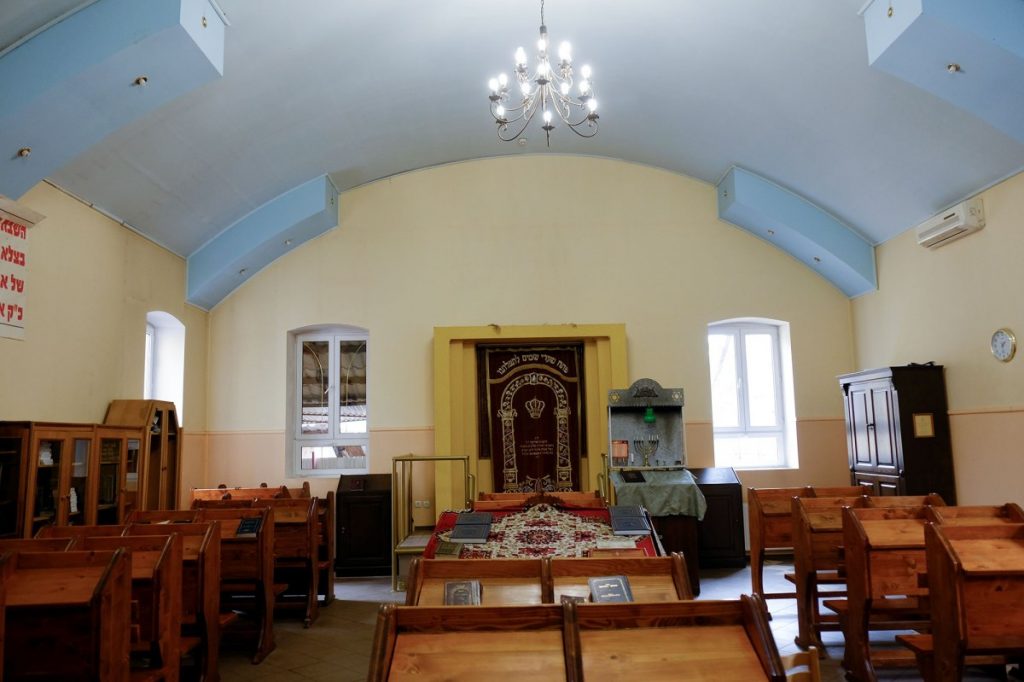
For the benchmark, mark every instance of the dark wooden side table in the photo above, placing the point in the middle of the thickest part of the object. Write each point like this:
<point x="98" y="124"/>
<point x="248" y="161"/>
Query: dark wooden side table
<point x="720" y="534"/>
<point x="363" y="523"/>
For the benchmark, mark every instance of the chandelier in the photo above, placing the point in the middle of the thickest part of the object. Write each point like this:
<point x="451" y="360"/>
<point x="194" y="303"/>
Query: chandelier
<point x="548" y="90"/>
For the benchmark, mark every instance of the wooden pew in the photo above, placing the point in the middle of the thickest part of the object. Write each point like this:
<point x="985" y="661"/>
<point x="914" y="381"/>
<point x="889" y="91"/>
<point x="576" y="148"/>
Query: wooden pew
<point x="162" y="516"/>
<point x="75" y="532"/>
<point x="652" y="641"/>
<point x="200" y="588"/>
<point x="326" y="548"/>
<point x="296" y="547"/>
<point x="817" y="542"/>
<point x="978" y="614"/>
<point x="770" y="518"/>
<point x="884" y="555"/>
<point x="200" y="585"/>
<point x="503" y="582"/>
<point x="509" y="582"/>
<point x="978" y="515"/>
<point x="931" y="499"/>
<point x="568" y="500"/>
<point x="326" y="510"/>
<point x="247" y="569"/>
<point x="727" y="640"/>
<point x="156" y="568"/>
<point x="67" y="616"/>
<point x="296" y="551"/>
<point x="223" y="492"/>
<point x="651" y="579"/>
<point x="35" y="544"/>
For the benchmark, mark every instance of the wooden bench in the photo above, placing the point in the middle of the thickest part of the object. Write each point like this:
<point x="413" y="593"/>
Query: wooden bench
<point x="200" y="588"/>
<point x="508" y="582"/>
<point x="977" y="608"/>
<point x="75" y="532"/>
<point x="567" y="500"/>
<point x="35" y="544"/>
<point x="67" y="616"/>
<point x="652" y="641"/>
<point x="884" y="556"/>
<point x="977" y="515"/>
<point x="296" y="547"/>
<point x="817" y="560"/>
<point x="326" y="548"/>
<point x="156" y="568"/>
<point x="545" y="581"/>
<point x="770" y="518"/>
<point x="651" y="579"/>
<point x="247" y="570"/>
<point x="296" y="551"/>
<point x="162" y="516"/>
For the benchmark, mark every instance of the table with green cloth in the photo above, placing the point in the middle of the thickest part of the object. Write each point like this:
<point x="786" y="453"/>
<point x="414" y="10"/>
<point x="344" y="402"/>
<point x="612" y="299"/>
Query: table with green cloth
<point x="663" y="493"/>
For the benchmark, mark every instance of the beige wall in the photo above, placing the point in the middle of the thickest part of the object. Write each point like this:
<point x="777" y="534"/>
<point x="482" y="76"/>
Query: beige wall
<point x="522" y="240"/>
<point x="90" y="284"/>
<point x="943" y="305"/>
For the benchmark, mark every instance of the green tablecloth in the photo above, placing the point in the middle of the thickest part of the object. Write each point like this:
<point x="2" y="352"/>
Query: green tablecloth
<point x="664" y="493"/>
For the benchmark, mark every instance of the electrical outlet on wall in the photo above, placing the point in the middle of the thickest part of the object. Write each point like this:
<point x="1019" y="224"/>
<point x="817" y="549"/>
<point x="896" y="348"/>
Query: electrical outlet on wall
<point x="426" y="504"/>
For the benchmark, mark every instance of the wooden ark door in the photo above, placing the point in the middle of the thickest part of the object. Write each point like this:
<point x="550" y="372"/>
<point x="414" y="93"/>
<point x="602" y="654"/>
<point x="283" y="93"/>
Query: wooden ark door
<point x="532" y="415"/>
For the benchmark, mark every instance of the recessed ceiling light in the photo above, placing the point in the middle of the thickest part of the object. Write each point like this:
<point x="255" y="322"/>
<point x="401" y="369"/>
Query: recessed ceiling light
<point x="771" y="233"/>
<point x="287" y="242"/>
<point x="25" y="152"/>
<point x="140" y="81"/>
<point x="817" y="260"/>
<point x="242" y="271"/>
<point x="953" y="67"/>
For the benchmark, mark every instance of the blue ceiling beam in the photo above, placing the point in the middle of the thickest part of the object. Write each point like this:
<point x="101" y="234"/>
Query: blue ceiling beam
<point x="970" y="54"/>
<point x="800" y="228"/>
<point x="221" y="265"/>
<point x="71" y="85"/>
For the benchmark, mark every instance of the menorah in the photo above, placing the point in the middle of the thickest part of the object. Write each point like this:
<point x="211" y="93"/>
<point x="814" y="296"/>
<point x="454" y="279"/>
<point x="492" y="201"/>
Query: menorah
<point x="646" y="447"/>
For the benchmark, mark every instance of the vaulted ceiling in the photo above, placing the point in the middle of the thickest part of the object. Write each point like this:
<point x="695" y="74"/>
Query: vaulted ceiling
<point x="876" y="139"/>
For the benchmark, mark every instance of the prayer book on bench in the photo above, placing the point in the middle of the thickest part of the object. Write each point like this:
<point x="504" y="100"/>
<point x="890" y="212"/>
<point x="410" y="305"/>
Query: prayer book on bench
<point x="462" y="593"/>
<point x="610" y="588"/>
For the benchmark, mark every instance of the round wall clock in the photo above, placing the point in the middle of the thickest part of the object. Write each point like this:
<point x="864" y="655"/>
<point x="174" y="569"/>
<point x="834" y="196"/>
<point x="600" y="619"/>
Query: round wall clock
<point x="1004" y="345"/>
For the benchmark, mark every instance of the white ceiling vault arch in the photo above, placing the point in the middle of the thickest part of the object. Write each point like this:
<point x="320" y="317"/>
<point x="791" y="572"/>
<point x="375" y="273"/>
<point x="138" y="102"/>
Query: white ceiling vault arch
<point x="856" y="116"/>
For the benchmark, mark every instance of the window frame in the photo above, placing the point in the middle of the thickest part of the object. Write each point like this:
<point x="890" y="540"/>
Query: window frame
<point x="296" y="439"/>
<point x="784" y="429"/>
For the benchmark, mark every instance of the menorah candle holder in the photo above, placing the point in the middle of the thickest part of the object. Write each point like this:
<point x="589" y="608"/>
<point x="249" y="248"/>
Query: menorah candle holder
<point x="646" y="447"/>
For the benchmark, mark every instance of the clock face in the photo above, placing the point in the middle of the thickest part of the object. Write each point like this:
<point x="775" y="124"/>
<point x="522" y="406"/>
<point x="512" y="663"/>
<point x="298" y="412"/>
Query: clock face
<point x="1004" y="345"/>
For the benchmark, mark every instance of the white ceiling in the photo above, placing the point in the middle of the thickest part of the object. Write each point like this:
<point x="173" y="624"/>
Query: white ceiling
<point x="365" y="90"/>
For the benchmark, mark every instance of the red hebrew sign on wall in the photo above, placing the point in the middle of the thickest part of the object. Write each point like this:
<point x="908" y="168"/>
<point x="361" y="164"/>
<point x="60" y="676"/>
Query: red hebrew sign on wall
<point x="14" y="224"/>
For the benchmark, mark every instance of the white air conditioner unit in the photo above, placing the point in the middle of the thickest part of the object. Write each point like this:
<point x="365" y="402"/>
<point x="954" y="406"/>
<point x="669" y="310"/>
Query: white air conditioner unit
<point x="953" y="223"/>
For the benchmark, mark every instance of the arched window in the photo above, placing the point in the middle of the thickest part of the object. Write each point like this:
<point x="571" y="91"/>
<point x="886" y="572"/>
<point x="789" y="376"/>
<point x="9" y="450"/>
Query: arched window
<point x="328" y="419"/>
<point x="164" y="376"/>
<point x="752" y="393"/>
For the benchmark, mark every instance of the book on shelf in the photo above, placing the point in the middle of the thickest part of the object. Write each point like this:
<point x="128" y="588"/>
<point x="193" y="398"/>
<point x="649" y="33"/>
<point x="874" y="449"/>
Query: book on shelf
<point x="474" y="533"/>
<point x="248" y="527"/>
<point x="629" y="520"/>
<point x="462" y="592"/>
<point x="610" y="588"/>
<point x="473" y="518"/>
<point x="447" y="550"/>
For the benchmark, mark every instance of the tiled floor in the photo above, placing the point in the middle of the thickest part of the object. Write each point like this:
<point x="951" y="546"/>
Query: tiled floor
<point x="337" y="647"/>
